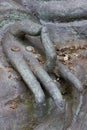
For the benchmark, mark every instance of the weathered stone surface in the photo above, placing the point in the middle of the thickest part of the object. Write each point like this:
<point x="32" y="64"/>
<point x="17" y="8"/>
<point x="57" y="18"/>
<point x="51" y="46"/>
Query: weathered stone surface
<point x="59" y="10"/>
<point x="16" y="110"/>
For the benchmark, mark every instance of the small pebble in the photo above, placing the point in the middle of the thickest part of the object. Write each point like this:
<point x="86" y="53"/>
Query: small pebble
<point x="37" y="56"/>
<point x="58" y="79"/>
<point x="15" y="48"/>
<point x="66" y="57"/>
<point x="30" y="49"/>
<point x="54" y="81"/>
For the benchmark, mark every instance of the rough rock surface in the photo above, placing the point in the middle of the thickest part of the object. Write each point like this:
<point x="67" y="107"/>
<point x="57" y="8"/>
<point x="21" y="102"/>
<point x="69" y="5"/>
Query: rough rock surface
<point x="16" y="109"/>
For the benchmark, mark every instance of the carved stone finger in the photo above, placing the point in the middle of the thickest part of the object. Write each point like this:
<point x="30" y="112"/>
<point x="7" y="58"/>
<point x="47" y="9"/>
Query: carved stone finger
<point x="15" y="56"/>
<point x="49" y="50"/>
<point x="45" y="79"/>
<point x="68" y="76"/>
<point x="25" y="27"/>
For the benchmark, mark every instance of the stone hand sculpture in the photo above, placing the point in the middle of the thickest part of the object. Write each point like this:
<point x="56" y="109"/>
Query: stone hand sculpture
<point x="24" y="61"/>
<point x="67" y="24"/>
<point x="63" y="44"/>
